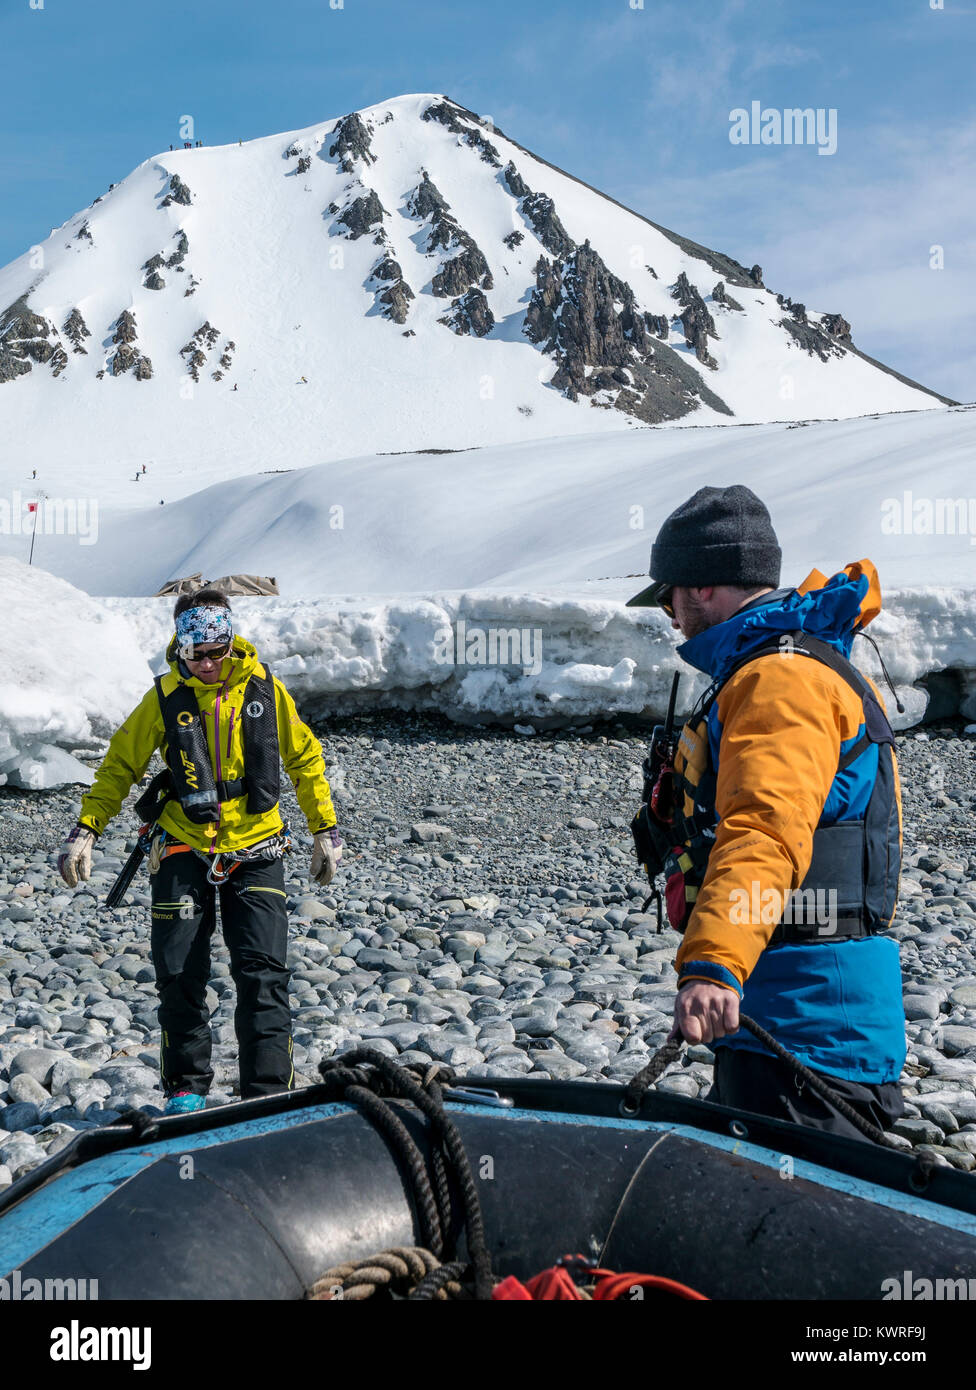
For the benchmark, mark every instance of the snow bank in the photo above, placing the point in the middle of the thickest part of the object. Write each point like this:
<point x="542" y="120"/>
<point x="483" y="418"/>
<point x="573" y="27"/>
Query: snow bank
<point x="71" y="672"/>
<point x="76" y="667"/>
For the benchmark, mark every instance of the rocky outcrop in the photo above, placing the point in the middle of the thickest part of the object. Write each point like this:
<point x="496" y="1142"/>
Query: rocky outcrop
<point x="755" y="275"/>
<point x="462" y="271"/>
<point x="153" y="280"/>
<point x="513" y="239"/>
<point x="470" y="313"/>
<point x="395" y="295"/>
<point x="361" y="215"/>
<point x="696" y="321"/>
<point x="604" y="352"/>
<point x="304" y="164"/>
<point x="182" y="247"/>
<point x="837" y="326"/>
<point x="84" y="233"/>
<point x="350" y="142"/>
<point x="466" y="270"/>
<point x="466" y="125"/>
<point x="178" y="193"/>
<point x="811" y="338"/>
<point x="427" y="201"/>
<point x="196" y="351"/>
<point x="127" y="356"/>
<point x="26" y="338"/>
<point x="658" y="324"/>
<point x="539" y="211"/>
<point x="76" y="330"/>
<point x="721" y="296"/>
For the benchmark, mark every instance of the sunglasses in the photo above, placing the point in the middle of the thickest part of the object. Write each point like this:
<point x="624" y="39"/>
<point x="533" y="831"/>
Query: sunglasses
<point x="215" y="653"/>
<point x="661" y="595"/>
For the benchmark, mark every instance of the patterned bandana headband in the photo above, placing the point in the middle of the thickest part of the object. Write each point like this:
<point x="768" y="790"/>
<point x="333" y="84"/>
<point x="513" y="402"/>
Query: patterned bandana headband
<point x="206" y="623"/>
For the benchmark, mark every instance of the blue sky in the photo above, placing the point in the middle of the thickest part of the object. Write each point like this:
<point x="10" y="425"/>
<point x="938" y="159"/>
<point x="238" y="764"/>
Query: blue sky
<point x="635" y="101"/>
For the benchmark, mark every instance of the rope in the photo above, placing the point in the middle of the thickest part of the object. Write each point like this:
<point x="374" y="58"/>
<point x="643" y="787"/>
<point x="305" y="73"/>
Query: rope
<point x="367" y="1078"/>
<point x="399" y="1270"/>
<point x="662" y="1059"/>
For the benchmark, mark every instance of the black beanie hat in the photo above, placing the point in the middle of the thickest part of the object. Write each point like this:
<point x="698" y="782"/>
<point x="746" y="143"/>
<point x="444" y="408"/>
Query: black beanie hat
<point x="722" y="535"/>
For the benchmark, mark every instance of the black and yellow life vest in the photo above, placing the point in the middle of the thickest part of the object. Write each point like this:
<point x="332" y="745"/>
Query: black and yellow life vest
<point x="191" y="778"/>
<point x="859" y="860"/>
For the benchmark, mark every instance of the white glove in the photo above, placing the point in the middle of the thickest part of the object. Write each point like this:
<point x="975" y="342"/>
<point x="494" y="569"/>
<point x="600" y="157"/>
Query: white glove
<point x="75" y="859"/>
<point x="326" y="853"/>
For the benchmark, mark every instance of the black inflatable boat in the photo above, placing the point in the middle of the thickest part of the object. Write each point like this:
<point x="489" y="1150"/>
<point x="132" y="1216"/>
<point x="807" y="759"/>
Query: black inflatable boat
<point x="256" y="1199"/>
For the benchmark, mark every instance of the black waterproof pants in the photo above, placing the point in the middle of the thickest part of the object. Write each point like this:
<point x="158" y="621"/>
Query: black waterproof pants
<point x="761" y="1083"/>
<point x="255" y="926"/>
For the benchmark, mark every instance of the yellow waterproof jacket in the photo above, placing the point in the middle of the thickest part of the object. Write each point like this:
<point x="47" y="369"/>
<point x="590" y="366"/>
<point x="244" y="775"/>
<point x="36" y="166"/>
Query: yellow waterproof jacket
<point x="221" y="704"/>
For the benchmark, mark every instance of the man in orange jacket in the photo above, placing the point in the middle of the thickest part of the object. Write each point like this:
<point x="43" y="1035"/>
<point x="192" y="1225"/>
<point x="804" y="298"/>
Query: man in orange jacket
<point x="782" y="855"/>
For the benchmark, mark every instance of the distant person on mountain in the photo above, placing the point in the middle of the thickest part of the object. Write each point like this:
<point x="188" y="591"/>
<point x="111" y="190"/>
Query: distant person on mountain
<point x="224" y="725"/>
<point x="778" y="824"/>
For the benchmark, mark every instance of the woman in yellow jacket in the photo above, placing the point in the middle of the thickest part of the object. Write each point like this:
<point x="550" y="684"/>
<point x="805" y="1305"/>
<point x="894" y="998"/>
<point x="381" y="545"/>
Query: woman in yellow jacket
<point x="224" y="725"/>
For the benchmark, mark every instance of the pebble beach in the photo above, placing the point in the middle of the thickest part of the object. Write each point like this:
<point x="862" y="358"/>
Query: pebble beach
<point x="487" y="913"/>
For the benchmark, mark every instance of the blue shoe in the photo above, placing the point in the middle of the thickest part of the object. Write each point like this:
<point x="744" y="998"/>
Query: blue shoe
<point x="183" y="1102"/>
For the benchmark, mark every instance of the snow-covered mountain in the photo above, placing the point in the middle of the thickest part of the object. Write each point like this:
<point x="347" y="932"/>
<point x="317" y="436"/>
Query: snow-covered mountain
<point x="403" y="278"/>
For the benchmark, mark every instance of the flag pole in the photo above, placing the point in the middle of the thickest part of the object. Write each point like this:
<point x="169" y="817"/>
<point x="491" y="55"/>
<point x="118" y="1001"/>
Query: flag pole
<point x="33" y="508"/>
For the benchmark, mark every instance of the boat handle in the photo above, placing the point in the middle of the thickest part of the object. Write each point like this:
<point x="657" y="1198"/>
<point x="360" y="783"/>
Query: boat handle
<point x="471" y="1095"/>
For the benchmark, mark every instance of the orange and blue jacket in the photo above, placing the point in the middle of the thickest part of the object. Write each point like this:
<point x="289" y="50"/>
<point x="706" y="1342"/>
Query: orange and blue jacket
<point x="221" y="705"/>
<point x="776" y="733"/>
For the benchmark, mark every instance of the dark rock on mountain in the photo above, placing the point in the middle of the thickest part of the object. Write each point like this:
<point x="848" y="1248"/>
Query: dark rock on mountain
<point x="516" y="184"/>
<point x="182" y="247"/>
<point x="83" y="233"/>
<point x="178" y="193"/>
<point x="351" y="142"/>
<point x="75" y="329"/>
<point x="837" y="326"/>
<point x="195" y="351"/>
<point x="659" y="324"/>
<point x="467" y="269"/>
<point x="811" y="339"/>
<point x="125" y="327"/>
<point x="540" y="212"/>
<point x="425" y="201"/>
<point x="696" y="321"/>
<point x="124" y="358"/>
<point x="462" y="271"/>
<point x="799" y="312"/>
<point x="362" y="215"/>
<point x="291" y="152"/>
<point x="721" y="296"/>
<point x="127" y="355"/>
<point x="465" y="124"/>
<point x="192" y="289"/>
<point x="755" y="275"/>
<point x="470" y="314"/>
<point x="394" y="298"/>
<point x="25" y="337"/>
<point x="12" y="364"/>
<point x="605" y="353"/>
<point x="513" y="239"/>
<point x="153" y="280"/>
<point x="304" y="164"/>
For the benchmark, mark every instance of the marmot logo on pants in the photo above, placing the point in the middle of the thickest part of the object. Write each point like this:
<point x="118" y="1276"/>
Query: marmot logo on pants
<point x="255" y="709"/>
